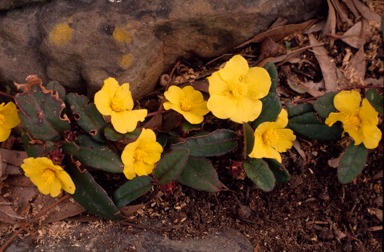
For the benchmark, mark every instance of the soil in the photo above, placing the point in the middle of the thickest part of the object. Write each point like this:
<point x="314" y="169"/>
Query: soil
<point x="311" y="212"/>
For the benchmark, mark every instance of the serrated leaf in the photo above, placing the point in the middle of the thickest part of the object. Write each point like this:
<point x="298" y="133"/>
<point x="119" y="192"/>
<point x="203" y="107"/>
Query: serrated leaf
<point x="111" y="134"/>
<point x="200" y="175"/>
<point x="87" y="116"/>
<point x="40" y="111"/>
<point x="171" y="165"/>
<point x="271" y="110"/>
<point x="216" y="143"/>
<point x="298" y="109"/>
<point x="324" y="104"/>
<point x="308" y="125"/>
<point x="249" y="139"/>
<point x="257" y="170"/>
<point x="95" y="154"/>
<point x="281" y="174"/>
<point x="271" y="69"/>
<point x="90" y="194"/>
<point x="57" y="87"/>
<point x="375" y="99"/>
<point x="131" y="190"/>
<point x="352" y="162"/>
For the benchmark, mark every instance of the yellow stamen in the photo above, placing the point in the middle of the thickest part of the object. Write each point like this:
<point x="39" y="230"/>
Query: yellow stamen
<point x="270" y="137"/>
<point x="238" y="89"/>
<point x="185" y="105"/>
<point x="139" y="154"/>
<point x="352" y="122"/>
<point x="48" y="176"/>
<point x="117" y="104"/>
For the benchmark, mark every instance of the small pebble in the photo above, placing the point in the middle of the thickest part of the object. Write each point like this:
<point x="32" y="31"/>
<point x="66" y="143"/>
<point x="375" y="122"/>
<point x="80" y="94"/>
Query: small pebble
<point x="324" y="195"/>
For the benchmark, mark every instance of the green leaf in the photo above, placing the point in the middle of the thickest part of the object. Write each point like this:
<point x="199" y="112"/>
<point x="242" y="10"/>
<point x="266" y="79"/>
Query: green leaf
<point x="87" y="116"/>
<point x="94" y="154"/>
<point x="131" y="190"/>
<point x="200" y="175"/>
<point x="375" y="99"/>
<point x="257" y="170"/>
<point x="308" y="125"/>
<point x="162" y="139"/>
<point x="40" y="112"/>
<point x="281" y="174"/>
<point x="352" y="162"/>
<point x="171" y="165"/>
<point x="324" y="105"/>
<point x="187" y="127"/>
<point x="249" y="139"/>
<point x="298" y="109"/>
<point x="90" y="194"/>
<point x="271" y="69"/>
<point x="111" y="134"/>
<point x="35" y="150"/>
<point x="271" y="110"/>
<point x="216" y="143"/>
<point x="57" y="87"/>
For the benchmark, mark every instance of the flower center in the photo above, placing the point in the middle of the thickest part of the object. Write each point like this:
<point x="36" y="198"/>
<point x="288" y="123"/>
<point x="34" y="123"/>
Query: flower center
<point x="270" y="137"/>
<point x="2" y="119"/>
<point x="48" y="176"/>
<point x="238" y="89"/>
<point x="139" y="154"/>
<point x="117" y="104"/>
<point x="352" y="122"/>
<point x="185" y="105"/>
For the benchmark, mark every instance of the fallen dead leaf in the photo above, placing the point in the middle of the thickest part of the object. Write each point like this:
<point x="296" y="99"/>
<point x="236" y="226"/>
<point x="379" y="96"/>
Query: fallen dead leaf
<point x="355" y="69"/>
<point x="280" y="21"/>
<point x="335" y="162"/>
<point x="330" y="24"/>
<point x="279" y="33"/>
<point x="353" y="36"/>
<point x="342" y="13"/>
<point x="127" y="211"/>
<point x="352" y="8"/>
<point x="369" y="15"/>
<point x="327" y="65"/>
<point x="13" y="157"/>
<point x="377" y="212"/>
<point x="297" y="146"/>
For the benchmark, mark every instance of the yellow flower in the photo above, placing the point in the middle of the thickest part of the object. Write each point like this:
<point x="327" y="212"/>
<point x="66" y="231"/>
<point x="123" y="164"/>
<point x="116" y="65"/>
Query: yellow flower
<point x="235" y="90"/>
<point x="188" y="102"/>
<point x="359" y="122"/>
<point x="140" y="156"/>
<point x="271" y="138"/>
<point x="8" y="119"/>
<point x="48" y="177"/>
<point x="116" y="101"/>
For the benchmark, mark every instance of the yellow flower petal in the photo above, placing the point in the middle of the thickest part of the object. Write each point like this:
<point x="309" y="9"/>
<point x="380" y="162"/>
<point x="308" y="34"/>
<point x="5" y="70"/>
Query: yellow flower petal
<point x="367" y="113"/>
<point x="371" y="135"/>
<point x="282" y="119"/>
<point x="334" y="117"/>
<point x="258" y="82"/>
<point x="128" y="152"/>
<point x="193" y="118"/>
<point x="125" y="95"/>
<point x="4" y="133"/>
<point x="247" y="110"/>
<point x="192" y="94"/>
<point x="222" y="107"/>
<point x="141" y="168"/>
<point x="126" y="121"/>
<point x="234" y="69"/>
<point x="217" y="85"/>
<point x="348" y="102"/>
<point x="174" y="94"/>
<point x="66" y="182"/>
<point x="284" y="141"/>
<point x="103" y="103"/>
<point x="129" y="172"/>
<point x="10" y="116"/>
<point x="357" y="135"/>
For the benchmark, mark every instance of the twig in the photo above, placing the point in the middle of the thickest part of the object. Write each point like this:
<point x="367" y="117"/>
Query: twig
<point x="7" y="95"/>
<point x="14" y="216"/>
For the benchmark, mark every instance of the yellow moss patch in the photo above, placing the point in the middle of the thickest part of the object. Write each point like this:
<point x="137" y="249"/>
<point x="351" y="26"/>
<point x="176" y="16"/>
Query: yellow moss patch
<point x="125" y="61"/>
<point x="61" y="34"/>
<point x="122" y="35"/>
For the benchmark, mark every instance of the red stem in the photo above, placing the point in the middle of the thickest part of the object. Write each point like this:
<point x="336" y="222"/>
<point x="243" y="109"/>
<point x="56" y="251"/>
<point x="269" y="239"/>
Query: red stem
<point x="7" y="95"/>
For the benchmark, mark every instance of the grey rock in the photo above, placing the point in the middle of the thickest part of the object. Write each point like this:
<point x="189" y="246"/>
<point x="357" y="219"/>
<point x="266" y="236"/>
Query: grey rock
<point x="113" y="239"/>
<point x="80" y="43"/>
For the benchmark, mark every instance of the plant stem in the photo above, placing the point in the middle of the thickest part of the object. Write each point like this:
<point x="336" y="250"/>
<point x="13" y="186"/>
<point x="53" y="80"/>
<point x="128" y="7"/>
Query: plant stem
<point x="7" y="95"/>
